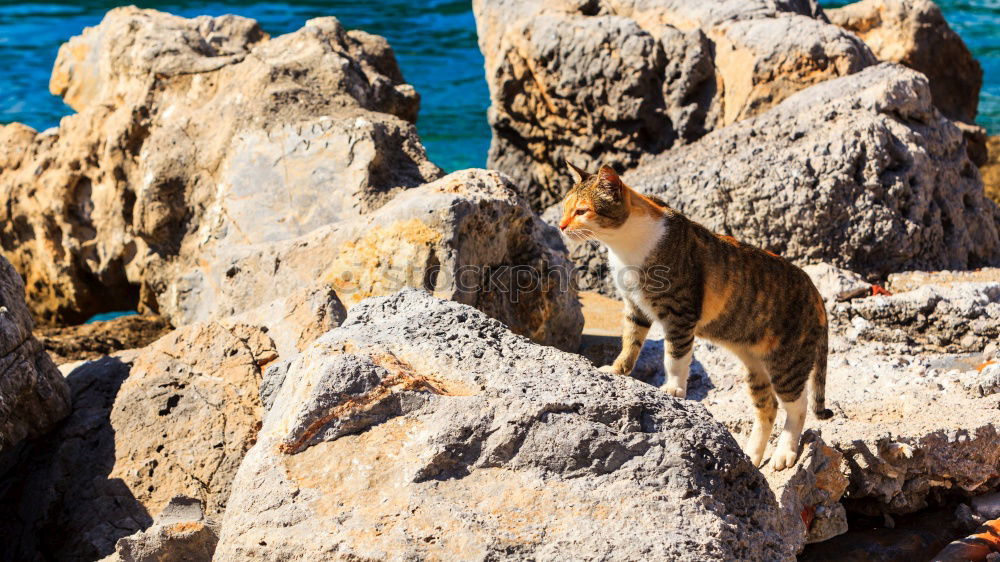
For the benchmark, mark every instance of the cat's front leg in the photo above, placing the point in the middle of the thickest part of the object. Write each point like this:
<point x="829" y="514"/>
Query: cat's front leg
<point x="678" y="347"/>
<point x="633" y="336"/>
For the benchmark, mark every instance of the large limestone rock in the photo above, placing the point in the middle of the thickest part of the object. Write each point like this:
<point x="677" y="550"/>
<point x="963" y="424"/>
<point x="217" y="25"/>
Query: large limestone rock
<point x="61" y="505"/>
<point x="188" y="412"/>
<point x="611" y="80"/>
<point x="862" y="172"/>
<point x="33" y="395"/>
<point x="468" y="237"/>
<point x="914" y="33"/>
<point x="194" y="134"/>
<point x="422" y="428"/>
<point x="171" y="419"/>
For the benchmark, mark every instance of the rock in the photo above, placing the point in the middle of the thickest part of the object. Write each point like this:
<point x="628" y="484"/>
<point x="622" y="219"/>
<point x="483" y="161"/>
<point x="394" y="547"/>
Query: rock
<point x="423" y="428"/>
<point x="33" y="395"/>
<point x="611" y="80"/>
<point x="911" y="280"/>
<point x="86" y="342"/>
<point x="914" y="33"/>
<point x="174" y="418"/>
<point x="62" y="505"/>
<point x="991" y="169"/>
<point x="188" y="412"/>
<point x="835" y="284"/>
<point x="195" y="134"/>
<point x="941" y="311"/>
<point x="861" y="172"/>
<point x="905" y="538"/>
<point x="988" y="506"/>
<point x="469" y="237"/>
<point x="293" y="321"/>
<point x="809" y="493"/>
<point x="181" y="534"/>
<point x="975" y="142"/>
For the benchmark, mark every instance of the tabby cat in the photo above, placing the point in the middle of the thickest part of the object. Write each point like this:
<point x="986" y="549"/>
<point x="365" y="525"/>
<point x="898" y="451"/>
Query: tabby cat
<point x="674" y="271"/>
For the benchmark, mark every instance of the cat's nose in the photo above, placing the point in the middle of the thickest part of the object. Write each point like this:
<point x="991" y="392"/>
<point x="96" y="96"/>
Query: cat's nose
<point x="564" y="223"/>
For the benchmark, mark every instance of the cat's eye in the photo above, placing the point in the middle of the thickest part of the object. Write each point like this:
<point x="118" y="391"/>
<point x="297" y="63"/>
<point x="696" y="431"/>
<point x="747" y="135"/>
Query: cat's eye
<point x="581" y="211"/>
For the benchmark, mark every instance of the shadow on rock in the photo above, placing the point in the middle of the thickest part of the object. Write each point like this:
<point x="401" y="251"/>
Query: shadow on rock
<point x="61" y="503"/>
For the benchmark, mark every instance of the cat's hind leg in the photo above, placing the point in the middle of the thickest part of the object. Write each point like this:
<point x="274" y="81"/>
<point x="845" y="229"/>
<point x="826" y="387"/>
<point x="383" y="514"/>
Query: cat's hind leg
<point x="787" y="451"/>
<point x="790" y="372"/>
<point x="765" y="409"/>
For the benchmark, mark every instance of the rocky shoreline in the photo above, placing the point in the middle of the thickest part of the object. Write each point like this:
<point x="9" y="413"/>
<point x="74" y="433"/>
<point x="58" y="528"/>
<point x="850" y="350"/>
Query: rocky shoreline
<point x="343" y="352"/>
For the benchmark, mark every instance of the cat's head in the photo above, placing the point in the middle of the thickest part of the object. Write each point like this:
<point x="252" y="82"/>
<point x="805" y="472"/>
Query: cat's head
<point x="596" y="205"/>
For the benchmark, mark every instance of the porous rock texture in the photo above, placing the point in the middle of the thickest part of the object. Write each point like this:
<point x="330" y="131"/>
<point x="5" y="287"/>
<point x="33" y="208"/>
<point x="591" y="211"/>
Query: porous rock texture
<point x="188" y="412"/>
<point x="914" y="33"/>
<point x="294" y="320"/>
<point x="991" y="169"/>
<point x="33" y="394"/>
<point x="173" y="418"/>
<point x="422" y="428"/>
<point x="194" y="134"/>
<point x="468" y="237"/>
<point x="956" y="312"/>
<point x="181" y="533"/>
<point x="611" y="80"/>
<point x="809" y="493"/>
<point x="862" y="172"/>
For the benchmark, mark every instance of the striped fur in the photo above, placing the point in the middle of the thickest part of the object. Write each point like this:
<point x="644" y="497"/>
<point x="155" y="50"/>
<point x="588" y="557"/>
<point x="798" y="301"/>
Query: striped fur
<point x="671" y="270"/>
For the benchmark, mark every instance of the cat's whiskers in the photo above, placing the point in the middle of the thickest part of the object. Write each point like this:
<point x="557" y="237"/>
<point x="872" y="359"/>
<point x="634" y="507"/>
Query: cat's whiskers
<point x="581" y="234"/>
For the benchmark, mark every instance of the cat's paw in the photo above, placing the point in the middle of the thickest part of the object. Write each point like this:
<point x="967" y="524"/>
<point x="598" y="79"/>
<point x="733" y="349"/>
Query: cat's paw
<point x="757" y="458"/>
<point x="674" y="390"/>
<point x="784" y="458"/>
<point x="614" y="369"/>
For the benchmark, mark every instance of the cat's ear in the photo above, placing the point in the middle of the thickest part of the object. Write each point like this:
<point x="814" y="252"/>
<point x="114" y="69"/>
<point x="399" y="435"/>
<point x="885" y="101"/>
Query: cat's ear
<point x="580" y="174"/>
<point x="609" y="178"/>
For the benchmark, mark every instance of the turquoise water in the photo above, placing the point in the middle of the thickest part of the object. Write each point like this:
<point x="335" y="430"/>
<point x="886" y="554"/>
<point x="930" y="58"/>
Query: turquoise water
<point x="434" y="40"/>
<point x="105" y="316"/>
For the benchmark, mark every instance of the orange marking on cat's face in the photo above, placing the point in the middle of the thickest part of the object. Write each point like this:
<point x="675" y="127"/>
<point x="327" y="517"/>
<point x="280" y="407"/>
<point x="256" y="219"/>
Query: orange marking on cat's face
<point x="576" y="213"/>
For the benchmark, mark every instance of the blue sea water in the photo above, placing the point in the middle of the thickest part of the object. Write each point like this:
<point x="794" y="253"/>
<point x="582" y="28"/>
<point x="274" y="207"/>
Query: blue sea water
<point x="434" y="40"/>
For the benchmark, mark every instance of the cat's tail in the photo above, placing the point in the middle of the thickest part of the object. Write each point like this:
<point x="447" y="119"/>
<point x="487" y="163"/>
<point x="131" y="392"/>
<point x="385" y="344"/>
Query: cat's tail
<point x="819" y="379"/>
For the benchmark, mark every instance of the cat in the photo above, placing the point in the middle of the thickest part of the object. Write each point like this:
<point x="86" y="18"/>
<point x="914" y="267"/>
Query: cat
<point x="694" y="282"/>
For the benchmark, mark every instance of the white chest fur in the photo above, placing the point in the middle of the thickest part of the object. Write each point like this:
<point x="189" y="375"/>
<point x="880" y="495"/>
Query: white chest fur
<point x="629" y="248"/>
